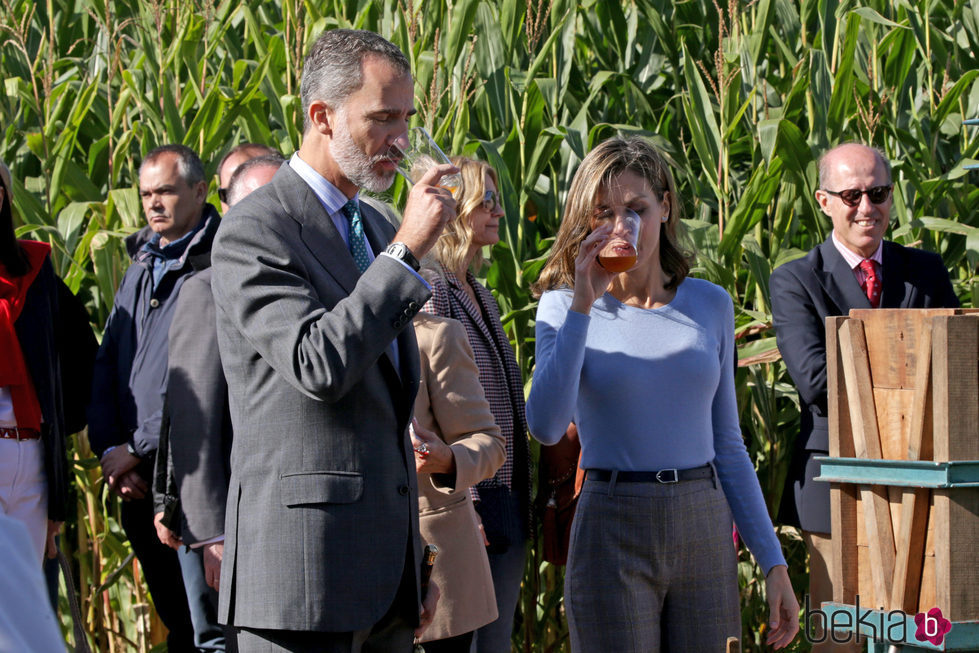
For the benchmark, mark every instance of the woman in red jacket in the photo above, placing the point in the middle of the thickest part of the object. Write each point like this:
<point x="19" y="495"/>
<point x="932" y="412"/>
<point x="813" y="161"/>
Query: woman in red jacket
<point x="45" y="337"/>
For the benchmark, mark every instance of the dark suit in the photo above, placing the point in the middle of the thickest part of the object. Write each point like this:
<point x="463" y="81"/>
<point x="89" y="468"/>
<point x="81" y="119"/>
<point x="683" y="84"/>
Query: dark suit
<point x="322" y="522"/>
<point x="806" y="291"/>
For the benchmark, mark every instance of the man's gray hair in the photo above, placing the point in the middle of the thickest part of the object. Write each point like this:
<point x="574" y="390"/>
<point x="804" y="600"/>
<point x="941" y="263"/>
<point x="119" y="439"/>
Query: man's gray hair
<point x="824" y="170"/>
<point x="333" y="68"/>
<point x="189" y="164"/>
<point x="235" y="183"/>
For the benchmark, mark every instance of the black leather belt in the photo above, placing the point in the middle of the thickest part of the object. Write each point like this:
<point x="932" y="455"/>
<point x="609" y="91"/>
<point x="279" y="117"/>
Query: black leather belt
<point x="663" y="476"/>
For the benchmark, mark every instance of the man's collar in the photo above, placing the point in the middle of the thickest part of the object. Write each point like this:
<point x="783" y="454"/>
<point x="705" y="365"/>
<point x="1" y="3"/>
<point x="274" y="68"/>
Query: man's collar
<point x="852" y="258"/>
<point x="175" y="248"/>
<point x="329" y="195"/>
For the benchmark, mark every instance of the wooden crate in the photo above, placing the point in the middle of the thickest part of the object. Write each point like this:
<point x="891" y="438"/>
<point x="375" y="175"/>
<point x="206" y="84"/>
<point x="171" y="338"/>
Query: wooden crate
<point x="903" y="385"/>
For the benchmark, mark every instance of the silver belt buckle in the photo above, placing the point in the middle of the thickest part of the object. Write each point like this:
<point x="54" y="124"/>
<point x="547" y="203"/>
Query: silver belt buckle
<point x="667" y="476"/>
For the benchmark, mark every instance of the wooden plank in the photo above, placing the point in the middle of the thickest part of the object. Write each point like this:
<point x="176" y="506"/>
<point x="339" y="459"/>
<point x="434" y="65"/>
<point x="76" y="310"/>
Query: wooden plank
<point x="956" y="407"/>
<point x="892" y="362"/>
<point x="893" y="407"/>
<point x="843" y="497"/>
<point x="910" y="542"/>
<point x="866" y="443"/>
<point x="955" y="357"/>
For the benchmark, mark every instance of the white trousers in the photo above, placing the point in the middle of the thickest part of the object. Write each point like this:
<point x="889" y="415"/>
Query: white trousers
<point x="24" y="489"/>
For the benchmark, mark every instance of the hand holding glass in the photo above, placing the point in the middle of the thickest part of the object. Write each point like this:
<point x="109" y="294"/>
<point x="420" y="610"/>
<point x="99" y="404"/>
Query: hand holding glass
<point x="619" y="253"/>
<point x="422" y="154"/>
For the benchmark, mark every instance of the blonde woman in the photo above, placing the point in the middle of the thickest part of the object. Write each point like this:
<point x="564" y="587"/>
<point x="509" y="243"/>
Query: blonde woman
<point x="503" y="500"/>
<point x="642" y="362"/>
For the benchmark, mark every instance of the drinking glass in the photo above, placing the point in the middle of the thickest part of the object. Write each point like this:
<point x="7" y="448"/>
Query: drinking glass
<point x="421" y="154"/>
<point x="619" y="254"/>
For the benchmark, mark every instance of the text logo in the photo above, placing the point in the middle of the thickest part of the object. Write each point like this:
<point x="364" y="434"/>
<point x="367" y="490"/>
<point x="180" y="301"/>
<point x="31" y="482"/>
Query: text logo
<point x="839" y="627"/>
<point x="854" y="622"/>
<point x="932" y="626"/>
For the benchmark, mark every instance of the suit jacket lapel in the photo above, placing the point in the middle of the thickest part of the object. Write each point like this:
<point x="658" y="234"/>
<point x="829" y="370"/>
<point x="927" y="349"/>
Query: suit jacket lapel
<point x="472" y="311"/>
<point x="894" y="292"/>
<point x="317" y="230"/>
<point x="326" y="245"/>
<point x="838" y="279"/>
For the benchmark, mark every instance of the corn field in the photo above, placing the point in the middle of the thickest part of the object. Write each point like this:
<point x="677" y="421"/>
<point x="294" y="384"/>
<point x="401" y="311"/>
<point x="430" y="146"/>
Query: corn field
<point x="741" y="97"/>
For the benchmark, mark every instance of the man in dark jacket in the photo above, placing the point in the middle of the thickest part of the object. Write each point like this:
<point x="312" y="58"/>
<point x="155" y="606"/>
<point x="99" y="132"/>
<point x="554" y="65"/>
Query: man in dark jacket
<point x="854" y="268"/>
<point x="131" y="368"/>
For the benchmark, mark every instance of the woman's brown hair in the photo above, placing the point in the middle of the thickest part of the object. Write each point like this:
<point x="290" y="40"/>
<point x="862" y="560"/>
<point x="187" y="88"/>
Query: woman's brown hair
<point x="596" y="172"/>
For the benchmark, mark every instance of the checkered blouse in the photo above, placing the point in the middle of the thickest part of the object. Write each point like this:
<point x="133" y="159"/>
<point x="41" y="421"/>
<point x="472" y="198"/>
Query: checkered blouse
<point x="498" y="372"/>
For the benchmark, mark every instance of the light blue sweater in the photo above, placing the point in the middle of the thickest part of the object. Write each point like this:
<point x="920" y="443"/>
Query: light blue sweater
<point x="650" y="389"/>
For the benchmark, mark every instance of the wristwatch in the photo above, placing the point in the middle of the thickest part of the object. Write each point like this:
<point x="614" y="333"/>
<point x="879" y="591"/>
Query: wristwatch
<point x="132" y="450"/>
<point x="401" y="252"/>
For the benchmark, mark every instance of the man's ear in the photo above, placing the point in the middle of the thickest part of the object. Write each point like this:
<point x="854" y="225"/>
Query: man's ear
<point x="321" y="117"/>
<point x="200" y="192"/>
<point x="822" y="200"/>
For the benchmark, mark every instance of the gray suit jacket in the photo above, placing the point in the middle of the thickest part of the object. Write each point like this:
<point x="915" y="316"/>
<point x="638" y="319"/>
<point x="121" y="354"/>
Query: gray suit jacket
<point x="323" y="503"/>
<point x="195" y="441"/>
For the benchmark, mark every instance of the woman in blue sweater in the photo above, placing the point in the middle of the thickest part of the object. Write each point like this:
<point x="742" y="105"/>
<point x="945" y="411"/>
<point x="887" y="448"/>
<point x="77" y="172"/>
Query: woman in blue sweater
<point x="642" y="362"/>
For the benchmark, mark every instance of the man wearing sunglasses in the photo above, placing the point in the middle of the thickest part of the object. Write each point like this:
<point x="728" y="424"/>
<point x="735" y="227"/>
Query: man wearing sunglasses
<point x="854" y="268"/>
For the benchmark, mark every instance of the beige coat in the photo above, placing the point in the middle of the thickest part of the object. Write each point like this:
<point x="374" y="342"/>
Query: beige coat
<point x="451" y="403"/>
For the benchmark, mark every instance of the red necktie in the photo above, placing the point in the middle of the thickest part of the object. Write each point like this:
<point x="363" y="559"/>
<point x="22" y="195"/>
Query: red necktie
<point x="871" y="282"/>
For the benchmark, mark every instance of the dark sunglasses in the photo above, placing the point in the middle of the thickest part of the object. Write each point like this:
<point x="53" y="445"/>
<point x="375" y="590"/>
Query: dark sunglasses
<point x="490" y="200"/>
<point x="851" y="196"/>
<point x="223" y="195"/>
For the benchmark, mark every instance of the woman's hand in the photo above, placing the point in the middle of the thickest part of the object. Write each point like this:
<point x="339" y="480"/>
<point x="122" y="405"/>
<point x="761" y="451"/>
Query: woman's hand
<point x="432" y="456"/>
<point x="783" y="618"/>
<point x="590" y="278"/>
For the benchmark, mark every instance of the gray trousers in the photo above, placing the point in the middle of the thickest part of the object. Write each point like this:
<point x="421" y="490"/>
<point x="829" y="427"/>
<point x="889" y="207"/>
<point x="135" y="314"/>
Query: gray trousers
<point x="652" y="568"/>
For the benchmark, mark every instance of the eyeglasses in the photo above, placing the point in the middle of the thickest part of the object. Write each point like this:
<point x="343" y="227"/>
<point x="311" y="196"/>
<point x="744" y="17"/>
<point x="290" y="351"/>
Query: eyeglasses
<point x="851" y="196"/>
<point x="491" y="200"/>
<point x="223" y="195"/>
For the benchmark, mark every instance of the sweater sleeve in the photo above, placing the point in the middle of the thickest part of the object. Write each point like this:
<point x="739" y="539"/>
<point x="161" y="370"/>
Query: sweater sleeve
<point x="734" y="467"/>
<point x="560" y="352"/>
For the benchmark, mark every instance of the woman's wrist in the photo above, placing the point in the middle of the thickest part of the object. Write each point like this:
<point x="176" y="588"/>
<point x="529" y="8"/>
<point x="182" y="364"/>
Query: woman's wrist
<point x="784" y="569"/>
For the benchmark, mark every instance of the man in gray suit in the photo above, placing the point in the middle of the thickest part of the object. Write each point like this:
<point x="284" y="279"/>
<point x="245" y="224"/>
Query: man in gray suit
<point x="314" y="326"/>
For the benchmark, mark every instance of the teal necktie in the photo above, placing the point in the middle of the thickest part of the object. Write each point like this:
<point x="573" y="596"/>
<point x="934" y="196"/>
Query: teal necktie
<point x="357" y="245"/>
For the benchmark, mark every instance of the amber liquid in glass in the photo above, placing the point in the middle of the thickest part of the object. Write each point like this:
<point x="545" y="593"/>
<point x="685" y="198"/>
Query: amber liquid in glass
<point x="617" y="264"/>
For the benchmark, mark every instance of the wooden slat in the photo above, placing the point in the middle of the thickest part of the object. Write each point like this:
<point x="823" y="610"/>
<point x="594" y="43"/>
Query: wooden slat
<point x="910" y="541"/>
<point x="866" y="443"/>
<point x="894" y="365"/>
<point x="956" y="422"/>
<point x="843" y="497"/>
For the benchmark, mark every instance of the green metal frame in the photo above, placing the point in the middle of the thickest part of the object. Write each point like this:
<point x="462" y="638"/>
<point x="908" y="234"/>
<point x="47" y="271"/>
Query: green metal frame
<point x="903" y="473"/>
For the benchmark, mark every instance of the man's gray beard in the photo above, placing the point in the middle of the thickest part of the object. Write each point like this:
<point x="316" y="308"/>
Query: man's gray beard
<point x="354" y="164"/>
